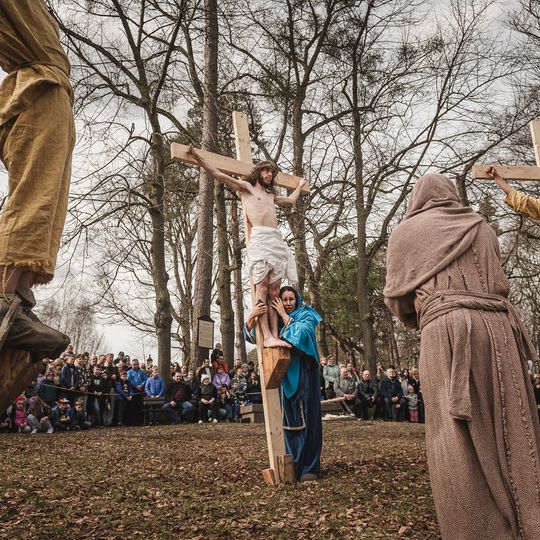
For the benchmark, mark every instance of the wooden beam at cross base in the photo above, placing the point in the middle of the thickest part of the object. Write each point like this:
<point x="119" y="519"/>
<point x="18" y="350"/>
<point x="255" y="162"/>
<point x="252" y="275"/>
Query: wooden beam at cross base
<point x="281" y="470"/>
<point x="232" y="166"/>
<point x="508" y="172"/>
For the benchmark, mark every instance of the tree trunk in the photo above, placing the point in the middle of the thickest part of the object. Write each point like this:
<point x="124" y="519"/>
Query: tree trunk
<point x="224" y="276"/>
<point x="202" y="293"/>
<point x="240" y="342"/>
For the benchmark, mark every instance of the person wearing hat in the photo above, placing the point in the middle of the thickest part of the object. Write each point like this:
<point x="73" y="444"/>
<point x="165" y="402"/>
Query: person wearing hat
<point x="61" y="417"/>
<point x="207" y="400"/>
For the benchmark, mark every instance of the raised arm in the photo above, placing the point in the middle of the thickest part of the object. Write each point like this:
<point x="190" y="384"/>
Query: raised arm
<point x="501" y="182"/>
<point x="233" y="183"/>
<point x="293" y="197"/>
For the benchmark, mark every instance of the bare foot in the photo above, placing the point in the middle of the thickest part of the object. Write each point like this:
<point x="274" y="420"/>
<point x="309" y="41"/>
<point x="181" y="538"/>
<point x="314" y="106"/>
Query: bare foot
<point x="275" y="342"/>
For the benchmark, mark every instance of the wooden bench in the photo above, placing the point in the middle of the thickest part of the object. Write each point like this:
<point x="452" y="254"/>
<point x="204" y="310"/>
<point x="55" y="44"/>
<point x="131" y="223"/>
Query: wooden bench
<point x="157" y="406"/>
<point x="254" y="413"/>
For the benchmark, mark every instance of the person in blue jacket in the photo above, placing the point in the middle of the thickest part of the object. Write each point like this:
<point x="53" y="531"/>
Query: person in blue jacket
<point x="300" y="387"/>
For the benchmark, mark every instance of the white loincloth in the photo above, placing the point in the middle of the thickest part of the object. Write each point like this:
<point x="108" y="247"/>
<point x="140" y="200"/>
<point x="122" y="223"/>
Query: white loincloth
<point x="268" y="254"/>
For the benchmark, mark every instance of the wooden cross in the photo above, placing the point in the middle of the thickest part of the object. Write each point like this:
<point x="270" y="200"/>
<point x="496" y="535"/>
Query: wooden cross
<point x="520" y="172"/>
<point x="272" y="362"/>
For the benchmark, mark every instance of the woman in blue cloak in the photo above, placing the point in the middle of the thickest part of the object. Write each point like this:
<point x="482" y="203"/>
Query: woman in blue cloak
<point x="300" y="387"/>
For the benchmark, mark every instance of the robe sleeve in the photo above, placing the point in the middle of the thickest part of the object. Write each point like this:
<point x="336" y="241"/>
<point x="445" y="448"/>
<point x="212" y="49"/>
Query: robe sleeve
<point x="302" y="335"/>
<point x="525" y="204"/>
<point x="403" y="308"/>
<point x="249" y="335"/>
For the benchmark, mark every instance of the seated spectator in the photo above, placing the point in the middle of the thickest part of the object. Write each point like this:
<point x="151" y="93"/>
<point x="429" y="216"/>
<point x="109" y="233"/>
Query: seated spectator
<point x="392" y="393"/>
<point x="353" y="372"/>
<point x="331" y="375"/>
<point x="251" y="367"/>
<point x="221" y="378"/>
<point x="184" y="371"/>
<point x="254" y="389"/>
<point x="345" y="387"/>
<point x="19" y="418"/>
<point x="38" y="416"/>
<point x="239" y="397"/>
<point x="178" y="404"/>
<point x="124" y="396"/>
<point x="236" y="366"/>
<point x="79" y="416"/>
<point x="412" y="400"/>
<point x="47" y="390"/>
<point x="207" y="400"/>
<point x="367" y="392"/>
<point x="60" y="416"/>
<point x="224" y="404"/>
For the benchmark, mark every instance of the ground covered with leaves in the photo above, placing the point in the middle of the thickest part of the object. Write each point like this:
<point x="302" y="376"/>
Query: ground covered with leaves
<point x="204" y="482"/>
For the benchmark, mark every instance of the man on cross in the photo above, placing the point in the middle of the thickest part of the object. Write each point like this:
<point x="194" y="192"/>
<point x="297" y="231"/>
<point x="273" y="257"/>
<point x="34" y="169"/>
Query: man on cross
<point x="269" y="259"/>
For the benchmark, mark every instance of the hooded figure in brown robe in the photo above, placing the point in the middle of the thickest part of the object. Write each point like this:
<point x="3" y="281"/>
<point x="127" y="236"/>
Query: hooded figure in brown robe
<point x="444" y="277"/>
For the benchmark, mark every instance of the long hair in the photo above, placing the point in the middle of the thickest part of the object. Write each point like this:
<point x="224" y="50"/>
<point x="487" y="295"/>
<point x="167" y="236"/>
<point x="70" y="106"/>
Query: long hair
<point x="253" y="177"/>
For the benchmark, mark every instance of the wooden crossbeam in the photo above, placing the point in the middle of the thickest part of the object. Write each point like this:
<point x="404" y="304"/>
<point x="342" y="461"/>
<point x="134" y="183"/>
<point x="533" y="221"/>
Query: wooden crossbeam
<point x="233" y="166"/>
<point x="521" y="173"/>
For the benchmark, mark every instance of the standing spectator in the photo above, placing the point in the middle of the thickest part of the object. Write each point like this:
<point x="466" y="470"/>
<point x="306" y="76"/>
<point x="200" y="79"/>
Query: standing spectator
<point x="119" y="358"/>
<point x="412" y="400"/>
<point x="47" y="390"/>
<point x="79" y="416"/>
<point x="207" y="400"/>
<point x="184" y="372"/>
<point x="537" y="392"/>
<point x="137" y="378"/>
<point x="216" y="351"/>
<point x="392" y="393"/>
<point x="236" y="366"/>
<point x="205" y="369"/>
<point x="96" y="392"/>
<point x="20" y="418"/>
<point x="154" y="388"/>
<point x="414" y="380"/>
<point x="219" y="362"/>
<point x="107" y="399"/>
<point x="367" y="392"/>
<point x="221" y="378"/>
<point x="353" y="372"/>
<point x="178" y="404"/>
<point x="124" y="397"/>
<point x="322" y="363"/>
<point x="85" y="376"/>
<point x="38" y="415"/>
<point x="345" y="387"/>
<point x="69" y="378"/>
<point x="67" y="352"/>
<point x="61" y="416"/>
<point x="331" y="375"/>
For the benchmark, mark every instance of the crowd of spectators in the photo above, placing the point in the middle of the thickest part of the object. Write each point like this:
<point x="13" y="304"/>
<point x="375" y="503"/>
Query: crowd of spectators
<point x="390" y="395"/>
<point x="79" y="391"/>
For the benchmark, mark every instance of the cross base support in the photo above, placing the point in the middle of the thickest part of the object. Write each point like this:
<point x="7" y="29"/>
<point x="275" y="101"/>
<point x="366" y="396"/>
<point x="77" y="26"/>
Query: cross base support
<point x="284" y="472"/>
<point x="275" y="364"/>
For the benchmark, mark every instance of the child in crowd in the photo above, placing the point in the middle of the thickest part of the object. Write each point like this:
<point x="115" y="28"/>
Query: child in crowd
<point x="96" y="392"/>
<point x="124" y="396"/>
<point x="79" y="416"/>
<point x="412" y="399"/>
<point x="225" y="403"/>
<point x="106" y="404"/>
<point x="154" y="388"/>
<point x="61" y="417"/>
<point x="38" y="415"/>
<point x="239" y="397"/>
<point x="20" y="418"/>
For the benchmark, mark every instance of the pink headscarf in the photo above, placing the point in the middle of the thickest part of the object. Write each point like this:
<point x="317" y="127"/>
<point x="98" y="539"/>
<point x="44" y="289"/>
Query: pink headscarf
<point x="436" y="230"/>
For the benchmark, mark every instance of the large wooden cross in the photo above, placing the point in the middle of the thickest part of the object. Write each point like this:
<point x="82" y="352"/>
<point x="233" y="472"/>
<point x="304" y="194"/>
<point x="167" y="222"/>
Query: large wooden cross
<point x="271" y="361"/>
<point x="519" y="172"/>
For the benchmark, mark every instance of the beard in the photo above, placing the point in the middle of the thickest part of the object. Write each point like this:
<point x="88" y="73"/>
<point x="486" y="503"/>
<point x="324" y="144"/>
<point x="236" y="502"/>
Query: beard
<point x="268" y="186"/>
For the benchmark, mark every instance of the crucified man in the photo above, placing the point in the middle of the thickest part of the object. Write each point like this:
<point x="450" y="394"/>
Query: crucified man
<point x="269" y="259"/>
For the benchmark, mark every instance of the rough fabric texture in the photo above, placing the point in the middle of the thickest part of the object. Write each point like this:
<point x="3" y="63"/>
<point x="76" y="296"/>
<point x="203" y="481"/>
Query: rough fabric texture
<point x="482" y="430"/>
<point x="436" y="218"/>
<point x="269" y="255"/>
<point x="527" y="205"/>
<point x="37" y="136"/>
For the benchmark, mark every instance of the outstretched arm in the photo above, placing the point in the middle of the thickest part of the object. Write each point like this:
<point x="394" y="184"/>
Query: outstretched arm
<point x="293" y="197"/>
<point x="501" y="182"/>
<point x="233" y="183"/>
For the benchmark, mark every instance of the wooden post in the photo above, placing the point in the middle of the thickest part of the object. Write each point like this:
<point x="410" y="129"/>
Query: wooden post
<point x="535" y="134"/>
<point x="281" y="468"/>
